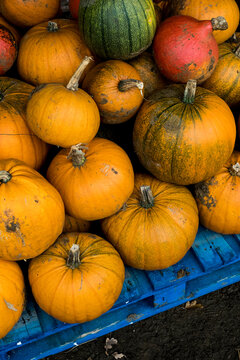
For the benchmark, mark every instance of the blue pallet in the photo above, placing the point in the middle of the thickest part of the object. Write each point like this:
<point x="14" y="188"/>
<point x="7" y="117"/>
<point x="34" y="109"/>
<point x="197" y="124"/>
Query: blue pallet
<point x="212" y="263"/>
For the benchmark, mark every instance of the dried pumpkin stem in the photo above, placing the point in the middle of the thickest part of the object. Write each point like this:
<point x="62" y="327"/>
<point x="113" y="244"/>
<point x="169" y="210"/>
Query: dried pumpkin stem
<point x="219" y="23"/>
<point x="237" y="51"/>
<point x="77" y="155"/>
<point x="190" y="92"/>
<point x="147" y="199"/>
<point x="74" y="81"/>
<point x="5" y="176"/>
<point x="233" y="39"/>
<point x="235" y="169"/>
<point x="52" y="26"/>
<point x="127" y="84"/>
<point x="73" y="260"/>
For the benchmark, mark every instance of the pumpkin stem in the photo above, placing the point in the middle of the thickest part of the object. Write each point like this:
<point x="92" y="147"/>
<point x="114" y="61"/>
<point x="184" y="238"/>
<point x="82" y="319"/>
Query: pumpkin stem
<point x="147" y="199"/>
<point x="127" y="84"/>
<point x="52" y="26"/>
<point x="5" y="176"/>
<point x="235" y="169"/>
<point x="73" y="260"/>
<point x="233" y="38"/>
<point x="74" y="81"/>
<point x="190" y="92"/>
<point x="77" y="155"/>
<point x="237" y="51"/>
<point x="219" y="23"/>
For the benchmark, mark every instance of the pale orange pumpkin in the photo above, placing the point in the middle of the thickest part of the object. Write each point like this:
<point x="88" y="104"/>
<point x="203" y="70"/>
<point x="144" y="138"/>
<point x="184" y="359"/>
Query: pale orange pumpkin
<point x="31" y="211"/>
<point x="16" y="139"/>
<point x="28" y="13"/>
<point x="12" y="296"/>
<point x="51" y="52"/>
<point x="78" y="279"/>
<point x="94" y="180"/>
<point x="117" y="89"/>
<point x="157" y="225"/>
<point x="63" y="116"/>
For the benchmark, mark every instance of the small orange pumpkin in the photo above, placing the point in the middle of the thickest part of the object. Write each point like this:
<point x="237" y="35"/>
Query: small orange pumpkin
<point x="94" y="180"/>
<point x="12" y="298"/>
<point x="51" y="52"/>
<point x="31" y="211"/>
<point x="117" y="89"/>
<point x="82" y="277"/>
<point x="156" y="226"/>
<point x="16" y="139"/>
<point x="63" y="116"/>
<point x="218" y="198"/>
<point x="28" y="13"/>
<point x="149" y="73"/>
<point x="75" y="225"/>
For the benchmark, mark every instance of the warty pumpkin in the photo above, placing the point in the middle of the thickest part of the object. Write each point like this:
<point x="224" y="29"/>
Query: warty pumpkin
<point x="63" y="115"/>
<point x="94" y="180"/>
<point x="117" y="89"/>
<point x="119" y="29"/>
<point x="12" y="295"/>
<point x="75" y="225"/>
<point x="24" y="13"/>
<point x="31" y="211"/>
<point x="225" y="80"/>
<point x="16" y="139"/>
<point x="218" y="198"/>
<point x="184" y="134"/>
<point x="156" y="226"/>
<point x="8" y="46"/>
<point x="51" y="52"/>
<point x="206" y="10"/>
<point x="82" y="277"/>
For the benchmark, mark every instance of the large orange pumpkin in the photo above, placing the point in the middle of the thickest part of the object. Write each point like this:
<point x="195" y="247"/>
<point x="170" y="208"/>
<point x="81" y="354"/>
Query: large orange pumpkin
<point x="28" y="13"/>
<point x="117" y="89"/>
<point x="94" y="180"/>
<point x="51" y="52"/>
<point x="218" y="198"/>
<point x="78" y="279"/>
<point x="12" y="295"/>
<point x="183" y="134"/>
<point x="206" y="10"/>
<point x="16" y="139"/>
<point x="157" y="225"/>
<point x="31" y="211"/>
<point x="63" y="116"/>
<point x="225" y="80"/>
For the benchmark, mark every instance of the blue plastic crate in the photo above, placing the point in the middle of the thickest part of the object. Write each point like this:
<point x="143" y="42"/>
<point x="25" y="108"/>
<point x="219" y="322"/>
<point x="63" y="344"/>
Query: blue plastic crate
<point x="212" y="263"/>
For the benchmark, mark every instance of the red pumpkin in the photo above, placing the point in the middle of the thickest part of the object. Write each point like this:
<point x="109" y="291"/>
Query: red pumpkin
<point x="73" y="7"/>
<point x="8" y="49"/>
<point x="185" y="48"/>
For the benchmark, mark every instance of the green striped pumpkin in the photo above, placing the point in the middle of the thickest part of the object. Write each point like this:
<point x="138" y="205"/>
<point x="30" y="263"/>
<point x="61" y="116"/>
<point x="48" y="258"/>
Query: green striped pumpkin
<point x="117" y="29"/>
<point x="225" y="80"/>
<point x="182" y="137"/>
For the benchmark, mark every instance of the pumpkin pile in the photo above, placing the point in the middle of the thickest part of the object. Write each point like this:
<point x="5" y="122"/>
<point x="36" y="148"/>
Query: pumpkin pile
<point x="115" y="141"/>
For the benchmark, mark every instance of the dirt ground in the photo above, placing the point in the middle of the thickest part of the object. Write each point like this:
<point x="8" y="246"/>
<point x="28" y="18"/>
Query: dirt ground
<point x="207" y="332"/>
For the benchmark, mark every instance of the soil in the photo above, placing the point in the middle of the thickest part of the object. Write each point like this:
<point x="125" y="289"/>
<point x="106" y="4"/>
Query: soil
<point x="207" y="331"/>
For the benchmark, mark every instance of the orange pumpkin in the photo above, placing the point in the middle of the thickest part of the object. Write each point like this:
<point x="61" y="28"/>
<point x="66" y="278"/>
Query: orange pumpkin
<point x="51" y="52"/>
<point x="28" y="13"/>
<point x="16" y="139"/>
<point x="117" y="89"/>
<point x="13" y="30"/>
<point x="225" y="80"/>
<point x="218" y="198"/>
<point x="206" y="10"/>
<point x="157" y="225"/>
<point x="82" y="277"/>
<point x="75" y="225"/>
<point x="183" y="134"/>
<point x="94" y="180"/>
<point x="149" y="73"/>
<point x="12" y="298"/>
<point x="63" y="116"/>
<point x="31" y="211"/>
